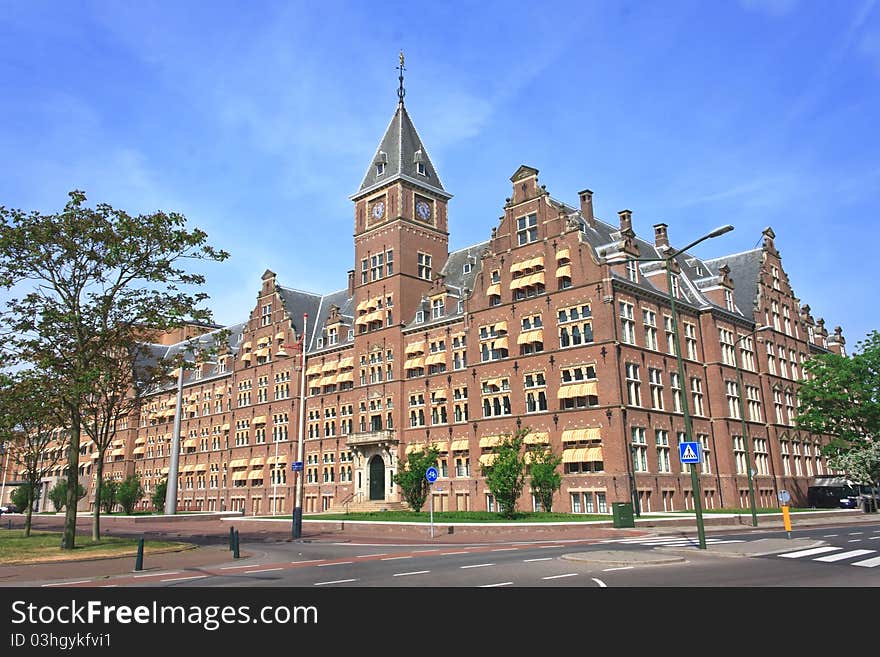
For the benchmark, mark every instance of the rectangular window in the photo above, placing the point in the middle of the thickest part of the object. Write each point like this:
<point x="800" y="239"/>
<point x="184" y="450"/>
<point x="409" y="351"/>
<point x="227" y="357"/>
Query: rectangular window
<point x="697" y="393"/>
<point x="649" y="319"/>
<point x="739" y="452"/>
<point x="753" y="395"/>
<point x="771" y="360"/>
<point x="661" y="440"/>
<point x="747" y="353"/>
<point x="706" y="463"/>
<point x="633" y="385"/>
<point x="266" y="315"/>
<point x="728" y="353"/>
<point x="732" y="391"/>
<point x="527" y="229"/>
<point x="639" y="450"/>
<point x="389" y="262"/>
<point x="675" y="385"/>
<point x="424" y="262"/>
<point x="655" y="377"/>
<point x="690" y="339"/>
<point x="632" y="270"/>
<point x="627" y="325"/>
<point x="670" y="335"/>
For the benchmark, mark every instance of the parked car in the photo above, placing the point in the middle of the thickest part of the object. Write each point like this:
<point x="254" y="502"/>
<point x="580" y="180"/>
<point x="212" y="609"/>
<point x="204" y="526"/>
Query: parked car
<point x="8" y="508"/>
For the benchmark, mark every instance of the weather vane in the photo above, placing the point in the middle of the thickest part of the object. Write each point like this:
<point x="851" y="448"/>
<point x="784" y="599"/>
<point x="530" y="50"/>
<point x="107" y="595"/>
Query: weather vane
<point x="400" y="91"/>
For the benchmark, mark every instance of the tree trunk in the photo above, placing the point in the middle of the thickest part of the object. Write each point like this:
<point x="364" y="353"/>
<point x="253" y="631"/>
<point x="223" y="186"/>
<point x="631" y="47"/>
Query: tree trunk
<point x="29" y="513"/>
<point x="68" y="540"/>
<point x="96" y="517"/>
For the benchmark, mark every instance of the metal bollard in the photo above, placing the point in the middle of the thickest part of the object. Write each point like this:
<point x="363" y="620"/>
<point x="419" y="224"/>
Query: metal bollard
<point x="231" y="538"/>
<point x="235" y="553"/>
<point x="139" y="561"/>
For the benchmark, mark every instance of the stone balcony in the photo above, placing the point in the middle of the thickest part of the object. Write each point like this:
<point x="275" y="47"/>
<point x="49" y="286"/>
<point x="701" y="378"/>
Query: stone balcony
<point x="363" y="438"/>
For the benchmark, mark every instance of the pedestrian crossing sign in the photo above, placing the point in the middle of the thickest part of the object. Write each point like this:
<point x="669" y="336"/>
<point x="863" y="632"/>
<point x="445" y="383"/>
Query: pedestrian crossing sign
<point x="689" y="452"/>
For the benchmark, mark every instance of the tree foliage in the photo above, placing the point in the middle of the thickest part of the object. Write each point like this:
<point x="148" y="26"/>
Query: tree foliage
<point x="28" y="417"/>
<point x="129" y="493"/>
<point x="841" y="398"/>
<point x="505" y="477"/>
<point x="158" y="496"/>
<point x="23" y="498"/>
<point x="410" y="476"/>
<point x="544" y="476"/>
<point x="59" y="497"/>
<point x="107" y="496"/>
<point x="92" y="281"/>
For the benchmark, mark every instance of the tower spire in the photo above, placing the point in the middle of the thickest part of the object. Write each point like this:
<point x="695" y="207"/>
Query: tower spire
<point x="401" y="92"/>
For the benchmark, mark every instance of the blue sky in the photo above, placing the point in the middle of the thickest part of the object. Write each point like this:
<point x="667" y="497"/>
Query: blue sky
<point x="258" y="120"/>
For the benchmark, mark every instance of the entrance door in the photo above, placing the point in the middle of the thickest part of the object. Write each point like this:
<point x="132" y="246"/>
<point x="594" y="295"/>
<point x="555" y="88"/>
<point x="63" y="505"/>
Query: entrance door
<point x="377" y="478"/>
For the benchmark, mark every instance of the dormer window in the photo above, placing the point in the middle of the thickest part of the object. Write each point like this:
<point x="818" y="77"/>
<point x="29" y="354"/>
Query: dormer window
<point x="419" y="159"/>
<point x="420" y="316"/>
<point x="438" y="308"/>
<point x="632" y="271"/>
<point x="380" y="168"/>
<point x="467" y="268"/>
<point x="420" y="167"/>
<point x="728" y="299"/>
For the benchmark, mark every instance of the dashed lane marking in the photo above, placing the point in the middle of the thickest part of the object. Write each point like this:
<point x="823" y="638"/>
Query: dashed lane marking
<point x="335" y="563"/>
<point x="488" y="586"/>
<point x="540" y="559"/>
<point x="478" y="565"/>
<point x="180" y="579"/>
<point x="558" y="576"/>
<point x="335" y="581"/>
<point x="415" y="572"/>
<point x="264" y="570"/>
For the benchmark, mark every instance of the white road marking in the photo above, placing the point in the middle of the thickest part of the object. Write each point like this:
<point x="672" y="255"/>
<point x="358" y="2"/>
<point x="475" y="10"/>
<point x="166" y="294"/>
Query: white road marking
<point x="415" y="572"/>
<point x="867" y="563"/>
<point x="844" y="555"/>
<point x="335" y="563"/>
<point x="487" y="586"/>
<point x="558" y="576"/>
<point x="544" y="547"/>
<point x="873" y="538"/>
<point x="249" y="565"/>
<point x="306" y="561"/>
<point x="809" y="553"/>
<point x="264" y="570"/>
<point x="854" y="540"/>
<point x="478" y="565"/>
<point x="430" y="550"/>
<point x="829" y="535"/>
<point x="335" y="581"/>
<point x="856" y="533"/>
<point x="170" y="572"/>
<point x="446" y="554"/>
<point x="540" y="559"/>
<point x="395" y="558"/>
<point x="600" y="583"/>
<point x="180" y="579"/>
<point x="608" y="570"/>
<point x="364" y="556"/>
<point x="503" y="549"/>
<point x="107" y="586"/>
<point x="82" y="581"/>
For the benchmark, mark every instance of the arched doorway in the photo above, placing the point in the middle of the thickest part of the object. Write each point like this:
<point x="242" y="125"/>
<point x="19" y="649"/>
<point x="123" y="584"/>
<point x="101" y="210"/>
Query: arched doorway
<point x="377" y="478"/>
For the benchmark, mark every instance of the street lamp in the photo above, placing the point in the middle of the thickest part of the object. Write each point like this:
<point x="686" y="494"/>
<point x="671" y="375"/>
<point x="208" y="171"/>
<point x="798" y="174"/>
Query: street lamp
<point x="688" y="430"/>
<point x="742" y="415"/>
<point x="298" y="494"/>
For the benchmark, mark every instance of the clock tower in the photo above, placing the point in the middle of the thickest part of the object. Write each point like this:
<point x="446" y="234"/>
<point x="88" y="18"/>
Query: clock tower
<point x="401" y="239"/>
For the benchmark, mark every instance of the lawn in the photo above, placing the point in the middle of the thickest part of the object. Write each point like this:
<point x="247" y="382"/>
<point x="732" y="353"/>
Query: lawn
<point x="41" y="547"/>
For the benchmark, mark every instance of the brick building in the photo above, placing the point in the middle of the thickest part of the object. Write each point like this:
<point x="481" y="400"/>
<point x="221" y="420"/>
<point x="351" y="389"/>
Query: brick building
<point x="545" y="325"/>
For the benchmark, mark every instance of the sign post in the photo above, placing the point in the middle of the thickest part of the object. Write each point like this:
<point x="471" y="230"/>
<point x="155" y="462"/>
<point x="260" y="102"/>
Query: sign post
<point x="784" y="498"/>
<point x="431" y="475"/>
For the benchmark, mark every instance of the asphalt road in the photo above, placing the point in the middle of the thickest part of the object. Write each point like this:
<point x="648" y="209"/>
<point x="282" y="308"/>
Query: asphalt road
<point x="849" y="558"/>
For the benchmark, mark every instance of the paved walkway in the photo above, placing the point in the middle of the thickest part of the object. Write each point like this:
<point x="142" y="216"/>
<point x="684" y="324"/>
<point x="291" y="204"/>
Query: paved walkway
<point x="211" y="536"/>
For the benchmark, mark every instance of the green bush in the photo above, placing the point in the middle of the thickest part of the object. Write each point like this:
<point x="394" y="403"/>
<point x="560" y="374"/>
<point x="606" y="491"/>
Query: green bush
<point x="129" y="493"/>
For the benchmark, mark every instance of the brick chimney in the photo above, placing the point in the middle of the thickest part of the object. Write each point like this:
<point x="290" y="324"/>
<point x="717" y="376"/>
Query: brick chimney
<point x="661" y="238"/>
<point x="626" y="220"/>
<point x="586" y="197"/>
<point x="351" y="282"/>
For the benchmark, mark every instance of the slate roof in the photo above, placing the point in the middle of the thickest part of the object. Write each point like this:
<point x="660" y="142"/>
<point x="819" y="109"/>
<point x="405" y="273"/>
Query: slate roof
<point x="745" y="270"/>
<point x="346" y="311"/>
<point x="401" y="149"/>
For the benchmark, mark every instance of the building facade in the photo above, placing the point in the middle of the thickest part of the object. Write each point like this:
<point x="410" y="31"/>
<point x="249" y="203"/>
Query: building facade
<point x="548" y="325"/>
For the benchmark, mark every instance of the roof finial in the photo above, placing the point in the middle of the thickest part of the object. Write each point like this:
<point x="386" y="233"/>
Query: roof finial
<point x="400" y="91"/>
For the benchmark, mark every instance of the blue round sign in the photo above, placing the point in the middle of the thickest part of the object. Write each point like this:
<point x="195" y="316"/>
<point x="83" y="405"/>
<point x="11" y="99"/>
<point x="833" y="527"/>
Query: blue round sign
<point x="431" y="474"/>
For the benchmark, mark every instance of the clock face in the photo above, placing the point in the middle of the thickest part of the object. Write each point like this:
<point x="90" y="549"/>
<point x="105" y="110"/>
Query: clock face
<point x="423" y="210"/>
<point x="378" y="210"/>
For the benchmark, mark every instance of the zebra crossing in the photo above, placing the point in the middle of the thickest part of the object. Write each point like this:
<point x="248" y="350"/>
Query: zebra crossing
<point x="669" y="541"/>
<point x="834" y="554"/>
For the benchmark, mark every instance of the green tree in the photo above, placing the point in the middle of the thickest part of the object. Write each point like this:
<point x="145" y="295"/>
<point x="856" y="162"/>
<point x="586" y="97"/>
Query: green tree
<point x="410" y="476"/>
<point x="28" y="417"/>
<point x="158" y="497"/>
<point x="841" y="398"/>
<point x="129" y="493"/>
<point x="23" y="498"/>
<point x="505" y="476"/>
<point x="59" y="497"/>
<point x="107" y="495"/>
<point x="87" y="283"/>
<point x="544" y="475"/>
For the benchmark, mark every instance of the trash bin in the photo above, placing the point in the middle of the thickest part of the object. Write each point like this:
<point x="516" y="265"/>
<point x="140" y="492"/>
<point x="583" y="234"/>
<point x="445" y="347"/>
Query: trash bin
<point x="622" y="514"/>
